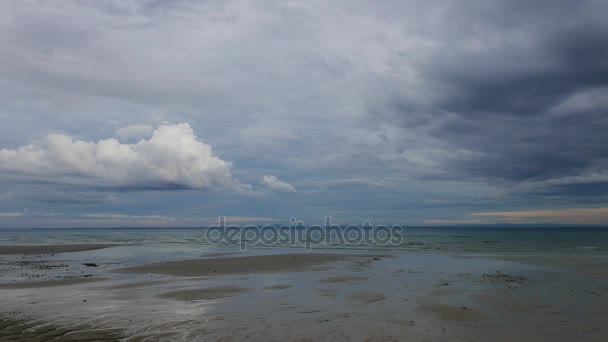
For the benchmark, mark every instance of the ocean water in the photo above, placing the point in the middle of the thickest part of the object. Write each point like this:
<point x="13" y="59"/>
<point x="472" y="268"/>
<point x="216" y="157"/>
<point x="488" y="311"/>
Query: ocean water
<point x="455" y="240"/>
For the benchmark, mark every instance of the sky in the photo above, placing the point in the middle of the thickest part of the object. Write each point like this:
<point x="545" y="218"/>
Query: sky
<point x="133" y="113"/>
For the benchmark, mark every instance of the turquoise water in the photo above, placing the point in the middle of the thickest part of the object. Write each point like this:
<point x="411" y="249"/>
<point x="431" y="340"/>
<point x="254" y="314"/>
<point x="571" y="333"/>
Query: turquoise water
<point x="462" y="240"/>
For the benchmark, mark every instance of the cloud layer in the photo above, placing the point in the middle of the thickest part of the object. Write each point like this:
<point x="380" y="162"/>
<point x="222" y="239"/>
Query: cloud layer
<point x="172" y="158"/>
<point x="407" y="111"/>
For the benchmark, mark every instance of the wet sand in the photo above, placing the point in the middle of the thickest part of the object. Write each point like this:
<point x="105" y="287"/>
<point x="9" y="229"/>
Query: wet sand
<point x="277" y="287"/>
<point x="32" y="330"/>
<point x="50" y="249"/>
<point x="344" y="279"/>
<point x="50" y="283"/>
<point x="205" y="293"/>
<point x="594" y="266"/>
<point x="307" y="297"/>
<point x="450" y="312"/>
<point x="244" y="265"/>
<point x="367" y="296"/>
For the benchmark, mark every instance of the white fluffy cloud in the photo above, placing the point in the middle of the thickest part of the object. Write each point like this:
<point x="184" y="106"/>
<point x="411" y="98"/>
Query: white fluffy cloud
<point x="274" y="183"/>
<point x="172" y="157"/>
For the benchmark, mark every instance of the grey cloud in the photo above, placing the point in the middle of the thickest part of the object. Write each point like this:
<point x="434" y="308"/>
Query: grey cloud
<point x="492" y="93"/>
<point x="65" y="196"/>
<point x="134" y="132"/>
<point x="498" y="81"/>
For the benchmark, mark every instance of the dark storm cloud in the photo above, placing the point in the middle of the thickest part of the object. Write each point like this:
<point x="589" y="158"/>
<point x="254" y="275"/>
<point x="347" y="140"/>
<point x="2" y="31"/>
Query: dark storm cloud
<point x="590" y="190"/>
<point x="512" y="102"/>
<point x="567" y="62"/>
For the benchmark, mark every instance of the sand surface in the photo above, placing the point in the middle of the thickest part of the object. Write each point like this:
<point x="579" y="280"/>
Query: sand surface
<point x="243" y="265"/>
<point x="32" y="330"/>
<point x="344" y="279"/>
<point x="277" y="287"/>
<point x="205" y="293"/>
<point x="308" y="296"/>
<point x="585" y="265"/>
<point x="450" y="312"/>
<point x="50" y="283"/>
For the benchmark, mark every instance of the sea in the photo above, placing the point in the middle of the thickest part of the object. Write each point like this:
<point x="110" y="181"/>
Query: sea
<point x="451" y="240"/>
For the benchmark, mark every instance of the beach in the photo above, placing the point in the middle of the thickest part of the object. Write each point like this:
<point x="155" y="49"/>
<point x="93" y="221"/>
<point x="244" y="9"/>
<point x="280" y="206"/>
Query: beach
<point x="285" y="170"/>
<point x="159" y="293"/>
